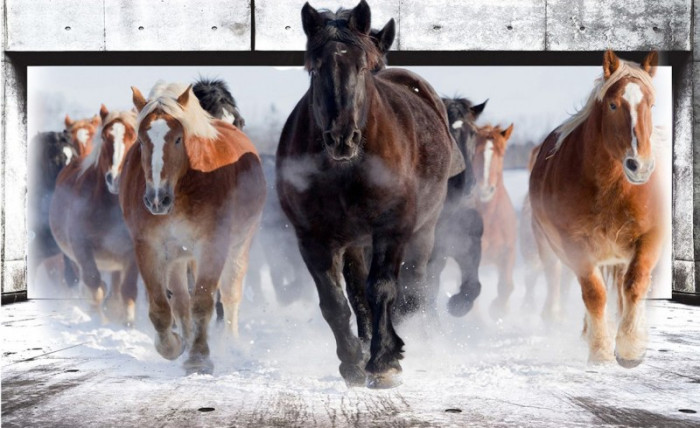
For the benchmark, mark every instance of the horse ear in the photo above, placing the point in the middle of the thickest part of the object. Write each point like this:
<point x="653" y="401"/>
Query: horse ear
<point x="360" y="18"/>
<point x="68" y="121"/>
<point x="311" y="20"/>
<point x="610" y="63"/>
<point x="139" y="100"/>
<point x="651" y="62"/>
<point x="507" y="132"/>
<point x="476" y="110"/>
<point x="103" y="112"/>
<point x="184" y="97"/>
<point x="96" y="121"/>
<point x="385" y="36"/>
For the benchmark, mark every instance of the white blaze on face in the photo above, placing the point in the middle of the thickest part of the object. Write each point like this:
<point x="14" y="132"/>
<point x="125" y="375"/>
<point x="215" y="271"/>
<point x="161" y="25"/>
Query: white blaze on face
<point x="69" y="154"/>
<point x="83" y="135"/>
<point x="633" y="95"/>
<point x="488" y="155"/>
<point x="159" y="128"/>
<point x="457" y="124"/>
<point x="117" y="132"/>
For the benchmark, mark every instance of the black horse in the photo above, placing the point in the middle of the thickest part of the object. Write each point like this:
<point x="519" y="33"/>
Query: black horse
<point x="459" y="230"/>
<point x="362" y="169"/>
<point x="215" y="97"/>
<point x="49" y="152"/>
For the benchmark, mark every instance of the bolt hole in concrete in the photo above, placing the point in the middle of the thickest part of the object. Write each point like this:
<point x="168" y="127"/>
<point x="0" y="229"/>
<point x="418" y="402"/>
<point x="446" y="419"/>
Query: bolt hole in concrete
<point x="287" y="27"/>
<point x="582" y="28"/>
<point x="510" y="27"/>
<point x="205" y="409"/>
<point x="655" y="28"/>
<point x="67" y="28"/>
<point x="214" y="28"/>
<point x="72" y="370"/>
<point x="437" y="27"/>
<point x="453" y="410"/>
<point x="140" y="28"/>
<point x="687" y="411"/>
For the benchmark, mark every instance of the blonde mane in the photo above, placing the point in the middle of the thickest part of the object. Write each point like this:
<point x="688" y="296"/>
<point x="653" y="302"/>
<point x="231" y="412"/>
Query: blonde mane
<point x="626" y="69"/>
<point x="127" y="116"/>
<point x="194" y="119"/>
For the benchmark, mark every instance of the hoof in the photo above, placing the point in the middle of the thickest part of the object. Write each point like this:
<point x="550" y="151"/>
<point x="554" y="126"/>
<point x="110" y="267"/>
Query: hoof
<point x="198" y="365"/>
<point x="388" y="379"/>
<point x="352" y="375"/>
<point x="459" y="305"/>
<point x="629" y="363"/>
<point x="600" y="359"/>
<point x="172" y="347"/>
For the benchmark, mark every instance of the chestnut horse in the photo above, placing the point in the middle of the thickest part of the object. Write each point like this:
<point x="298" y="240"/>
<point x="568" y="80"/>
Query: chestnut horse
<point x="82" y="133"/>
<point x="87" y="222"/>
<point x="460" y="228"/>
<point x="192" y="193"/>
<point x="597" y="203"/>
<point x="362" y="169"/>
<point x="496" y="209"/>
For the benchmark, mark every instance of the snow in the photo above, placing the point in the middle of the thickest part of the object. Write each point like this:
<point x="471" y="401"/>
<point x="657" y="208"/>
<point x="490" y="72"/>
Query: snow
<point x="62" y="366"/>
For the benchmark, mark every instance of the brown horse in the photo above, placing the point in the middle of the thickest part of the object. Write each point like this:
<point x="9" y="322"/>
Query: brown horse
<point x="87" y="222"/>
<point x="82" y="132"/>
<point x="597" y="203"/>
<point x="192" y="193"/>
<point x="496" y="209"/>
<point x="362" y="169"/>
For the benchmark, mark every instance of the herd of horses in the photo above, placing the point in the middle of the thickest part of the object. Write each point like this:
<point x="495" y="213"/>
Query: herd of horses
<point x="381" y="180"/>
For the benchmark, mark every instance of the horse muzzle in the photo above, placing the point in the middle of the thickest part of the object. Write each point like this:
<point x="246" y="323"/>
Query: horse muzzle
<point x="159" y="202"/>
<point x="637" y="170"/>
<point x="112" y="183"/>
<point x="486" y="193"/>
<point x="342" y="146"/>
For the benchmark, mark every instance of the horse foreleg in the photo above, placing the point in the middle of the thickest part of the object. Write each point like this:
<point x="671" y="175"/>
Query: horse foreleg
<point x="113" y="302"/>
<point x="499" y="307"/>
<point x="154" y="272"/>
<point x="413" y="289"/>
<point x="180" y="297"/>
<point x="386" y="347"/>
<point x="468" y="256"/>
<point x="594" y="297"/>
<point x="355" y="272"/>
<point x="552" y="273"/>
<point x="130" y="291"/>
<point x="631" y="337"/>
<point x="324" y="266"/>
<point x="90" y="275"/>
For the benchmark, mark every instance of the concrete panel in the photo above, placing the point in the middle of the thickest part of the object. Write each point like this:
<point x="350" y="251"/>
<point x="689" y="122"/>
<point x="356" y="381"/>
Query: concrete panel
<point x="53" y="25"/>
<point x="473" y="25"/>
<point x="172" y="25"/>
<point x="621" y="25"/>
<point x="684" y="276"/>
<point x="278" y="22"/>
<point x="14" y="276"/>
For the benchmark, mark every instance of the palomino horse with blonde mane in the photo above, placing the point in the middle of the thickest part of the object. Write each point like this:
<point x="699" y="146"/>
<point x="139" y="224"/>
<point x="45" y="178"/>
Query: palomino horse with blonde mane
<point x="597" y="203"/>
<point x="192" y="193"/>
<point x="496" y="209"/>
<point x="81" y="133"/>
<point x="87" y="222"/>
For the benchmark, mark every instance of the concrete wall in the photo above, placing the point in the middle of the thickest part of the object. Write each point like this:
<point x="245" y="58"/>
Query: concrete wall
<point x="275" y="25"/>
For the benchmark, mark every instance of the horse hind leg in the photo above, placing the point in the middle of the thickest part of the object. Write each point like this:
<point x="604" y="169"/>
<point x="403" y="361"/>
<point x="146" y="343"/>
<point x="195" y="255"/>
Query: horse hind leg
<point x="631" y="340"/>
<point x="90" y="276"/>
<point x="596" y="326"/>
<point x="552" y="272"/>
<point x="113" y="306"/>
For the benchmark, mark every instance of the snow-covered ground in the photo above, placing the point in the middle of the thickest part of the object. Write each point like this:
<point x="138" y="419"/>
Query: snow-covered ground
<point x="62" y="367"/>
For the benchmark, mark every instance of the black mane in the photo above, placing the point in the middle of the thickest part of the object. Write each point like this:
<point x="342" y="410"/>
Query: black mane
<point x="215" y="97"/>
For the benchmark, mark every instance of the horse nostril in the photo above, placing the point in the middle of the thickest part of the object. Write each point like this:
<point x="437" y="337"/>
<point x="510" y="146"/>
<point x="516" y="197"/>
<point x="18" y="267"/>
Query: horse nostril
<point x="166" y="201"/>
<point x="146" y="201"/>
<point x="356" y="137"/>
<point x="632" y="164"/>
<point x="108" y="177"/>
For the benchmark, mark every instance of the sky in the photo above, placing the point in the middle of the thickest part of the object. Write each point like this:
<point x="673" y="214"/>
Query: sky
<point x="535" y="98"/>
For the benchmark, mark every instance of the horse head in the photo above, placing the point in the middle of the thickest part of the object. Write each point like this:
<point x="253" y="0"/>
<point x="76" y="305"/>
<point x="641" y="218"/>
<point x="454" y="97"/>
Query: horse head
<point x="488" y="159"/>
<point x="624" y="104"/>
<point x="82" y="132"/>
<point x="118" y="135"/>
<point x="462" y="116"/>
<point x="175" y="136"/>
<point x="340" y="56"/>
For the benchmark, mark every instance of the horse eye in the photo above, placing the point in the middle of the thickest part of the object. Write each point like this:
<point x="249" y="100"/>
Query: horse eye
<point x="613" y="107"/>
<point x="179" y="139"/>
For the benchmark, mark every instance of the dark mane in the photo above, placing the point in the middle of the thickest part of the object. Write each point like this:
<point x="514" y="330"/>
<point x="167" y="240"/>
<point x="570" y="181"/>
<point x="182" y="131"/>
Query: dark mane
<point x="215" y="97"/>
<point x="336" y="29"/>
